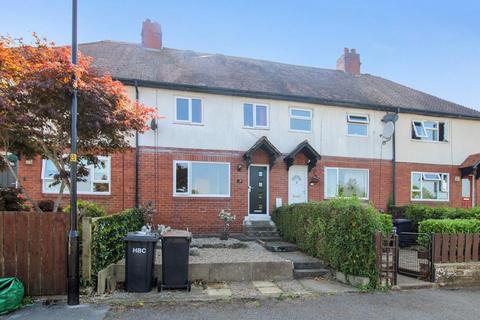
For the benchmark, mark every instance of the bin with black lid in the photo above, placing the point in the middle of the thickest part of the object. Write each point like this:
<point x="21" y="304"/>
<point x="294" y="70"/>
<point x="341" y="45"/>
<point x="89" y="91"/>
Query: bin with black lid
<point x="175" y="255"/>
<point x="404" y="228"/>
<point x="140" y="261"/>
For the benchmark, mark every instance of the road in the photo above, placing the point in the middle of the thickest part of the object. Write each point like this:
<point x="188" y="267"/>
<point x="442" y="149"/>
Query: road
<point x="410" y="305"/>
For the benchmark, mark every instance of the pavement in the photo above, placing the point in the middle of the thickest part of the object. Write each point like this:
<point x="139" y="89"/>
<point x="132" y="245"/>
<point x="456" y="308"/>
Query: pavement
<point x="301" y="299"/>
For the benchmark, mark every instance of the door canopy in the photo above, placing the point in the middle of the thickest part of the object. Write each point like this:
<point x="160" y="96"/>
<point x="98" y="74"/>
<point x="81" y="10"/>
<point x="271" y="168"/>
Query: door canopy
<point x="262" y="144"/>
<point x="306" y="148"/>
<point x="471" y="166"/>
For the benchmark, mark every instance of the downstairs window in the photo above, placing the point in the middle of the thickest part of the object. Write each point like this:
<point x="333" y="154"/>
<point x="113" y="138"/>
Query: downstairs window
<point x="207" y="179"/>
<point x="343" y="182"/>
<point x="430" y="186"/>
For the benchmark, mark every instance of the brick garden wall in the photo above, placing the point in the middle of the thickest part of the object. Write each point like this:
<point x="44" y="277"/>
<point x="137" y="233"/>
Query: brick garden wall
<point x="200" y="214"/>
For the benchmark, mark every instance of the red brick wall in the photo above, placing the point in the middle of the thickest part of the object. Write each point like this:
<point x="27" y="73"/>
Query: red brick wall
<point x="122" y="182"/>
<point x="404" y="171"/>
<point x="200" y="215"/>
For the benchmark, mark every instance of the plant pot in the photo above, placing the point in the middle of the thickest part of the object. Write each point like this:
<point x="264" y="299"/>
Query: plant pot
<point x="224" y="235"/>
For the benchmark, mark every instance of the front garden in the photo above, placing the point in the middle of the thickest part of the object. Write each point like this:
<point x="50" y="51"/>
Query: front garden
<point x="340" y="232"/>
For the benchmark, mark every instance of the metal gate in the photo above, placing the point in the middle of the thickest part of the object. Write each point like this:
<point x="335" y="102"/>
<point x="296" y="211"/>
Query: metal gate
<point x="415" y="255"/>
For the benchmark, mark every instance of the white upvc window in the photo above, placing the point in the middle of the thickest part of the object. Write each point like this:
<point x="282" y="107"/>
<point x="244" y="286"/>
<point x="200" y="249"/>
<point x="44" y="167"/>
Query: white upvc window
<point x="98" y="180"/>
<point x="427" y="130"/>
<point x="255" y="116"/>
<point x="188" y="110"/>
<point x="300" y="119"/>
<point x="201" y="179"/>
<point x="430" y="186"/>
<point x="357" y="125"/>
<point x="346" y="182"/>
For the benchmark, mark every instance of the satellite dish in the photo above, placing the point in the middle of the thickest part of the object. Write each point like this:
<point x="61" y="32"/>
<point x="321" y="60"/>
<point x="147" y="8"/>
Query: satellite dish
<point x="388" y="130"/>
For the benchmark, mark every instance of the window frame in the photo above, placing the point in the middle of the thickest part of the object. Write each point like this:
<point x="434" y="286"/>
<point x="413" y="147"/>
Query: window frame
<point x="357" y="122"/>
<point x="424" y="138"/>
<point x="254" y="115"/>
<point x="291" y="116"/>
<point x="441" y="181"/>
<point x="325" y="196"/>
<point x="92" y="182"/>
<point x="189" y="180"/>
<point x="190" y="111"/>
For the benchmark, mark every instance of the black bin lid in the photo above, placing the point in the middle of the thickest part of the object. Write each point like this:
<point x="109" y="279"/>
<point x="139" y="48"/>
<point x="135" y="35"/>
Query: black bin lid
<point x="400" y="221"/>
<point x="177" y="234"/>
<point x="141" y="236"/>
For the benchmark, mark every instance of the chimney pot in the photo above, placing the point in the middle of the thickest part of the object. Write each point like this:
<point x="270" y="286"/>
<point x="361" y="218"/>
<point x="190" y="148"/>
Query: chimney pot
<point x="151" y="35"/>
<point x="349" y="62"/>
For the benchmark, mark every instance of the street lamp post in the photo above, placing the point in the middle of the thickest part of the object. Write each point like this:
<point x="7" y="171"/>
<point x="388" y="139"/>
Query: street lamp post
<point x="73" y="282"/>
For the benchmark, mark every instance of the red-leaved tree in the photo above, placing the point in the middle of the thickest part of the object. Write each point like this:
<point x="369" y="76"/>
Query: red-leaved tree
<point x="35" y="96"/>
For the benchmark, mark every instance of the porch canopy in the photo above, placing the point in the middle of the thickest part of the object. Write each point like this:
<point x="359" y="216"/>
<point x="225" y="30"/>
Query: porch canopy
<point x="262" y="144"/>
<point x="470" y="166"/>
<point x="306" y="148"/>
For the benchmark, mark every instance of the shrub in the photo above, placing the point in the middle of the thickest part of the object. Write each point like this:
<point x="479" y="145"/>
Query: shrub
<point x="418" y="213"/>
<point x="450" y="226"/>
<point x="11" y="199"/>
<point x="88" y="209"/>
<point x="339" y="231"/>
<point x="107" y="237"/>
<point x="46" y="205"/>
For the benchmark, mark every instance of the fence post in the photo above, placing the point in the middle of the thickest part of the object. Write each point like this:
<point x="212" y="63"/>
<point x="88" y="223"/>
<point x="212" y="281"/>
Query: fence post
<point x="87" y="248"/>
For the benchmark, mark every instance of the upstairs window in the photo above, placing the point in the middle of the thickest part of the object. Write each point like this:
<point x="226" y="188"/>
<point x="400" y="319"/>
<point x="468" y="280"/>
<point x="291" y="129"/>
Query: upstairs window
<point x="300" y="119"/>
<point x="255" y="116"/>
<point x="96" y="182"/>
<point x="357" y="125"/>
<point x="188" y="110"/>
<point x="430" y="186"/>
<point x="429" y="130"/>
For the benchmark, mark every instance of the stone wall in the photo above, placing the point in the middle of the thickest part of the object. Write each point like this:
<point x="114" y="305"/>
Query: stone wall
<point x="457" y="274"/>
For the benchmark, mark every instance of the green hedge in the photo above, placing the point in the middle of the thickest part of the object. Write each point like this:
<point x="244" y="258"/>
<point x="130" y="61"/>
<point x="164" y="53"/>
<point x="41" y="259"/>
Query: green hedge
<point x="107" y="237"/>
<point x="450" y="226"/>
<point x="339" y="231"/>
<point x="418" y="213"/>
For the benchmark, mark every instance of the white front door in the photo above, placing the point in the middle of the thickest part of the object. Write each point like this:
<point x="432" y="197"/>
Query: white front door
<point x="297" y="184"/>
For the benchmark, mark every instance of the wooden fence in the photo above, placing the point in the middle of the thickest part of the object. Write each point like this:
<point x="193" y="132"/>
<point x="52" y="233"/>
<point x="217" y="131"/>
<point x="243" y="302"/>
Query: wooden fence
<point x="462" y="247"/>
<point x="33" y="247"/>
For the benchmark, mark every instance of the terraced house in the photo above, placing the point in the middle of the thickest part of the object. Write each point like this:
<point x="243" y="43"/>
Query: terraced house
<point x="248" y="135"/>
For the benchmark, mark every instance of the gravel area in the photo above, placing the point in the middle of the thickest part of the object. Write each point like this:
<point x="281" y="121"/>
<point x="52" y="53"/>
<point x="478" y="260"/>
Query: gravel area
<point x="253" y="252"/>
<point x="217" y="243"/>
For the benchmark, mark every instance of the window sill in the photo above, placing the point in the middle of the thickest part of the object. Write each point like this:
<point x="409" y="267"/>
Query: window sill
<point x="256" y="128"/>
<point x="429" y="141"/>
<point x="79" y="193"/>
<point x="191" y="196"/>
<point x="189" y="123"/>
<point x="300" y="131"/>
<point x="430" y="200"/>
<point x="356" y="136"/>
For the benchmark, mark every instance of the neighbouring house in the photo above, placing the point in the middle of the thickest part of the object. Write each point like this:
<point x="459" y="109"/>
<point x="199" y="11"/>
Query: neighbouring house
<point x="248" y="135"/>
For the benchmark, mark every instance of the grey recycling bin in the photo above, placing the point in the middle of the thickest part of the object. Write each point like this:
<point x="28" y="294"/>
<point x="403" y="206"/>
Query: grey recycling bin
<point x="140" y="261"/>
<point x="175" y="254"/>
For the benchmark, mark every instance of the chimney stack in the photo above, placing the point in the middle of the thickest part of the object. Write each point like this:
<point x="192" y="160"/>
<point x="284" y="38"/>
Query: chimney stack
<point x="151" y="35"/>
<point x="349" y="62"/>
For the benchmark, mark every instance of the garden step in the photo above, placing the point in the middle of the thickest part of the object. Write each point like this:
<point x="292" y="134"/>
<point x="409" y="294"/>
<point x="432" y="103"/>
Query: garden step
<point x="308" y="265"/>
<point x="310" y="273"/>
<point x="261" y="234"/>
<point x="278" y="246"/>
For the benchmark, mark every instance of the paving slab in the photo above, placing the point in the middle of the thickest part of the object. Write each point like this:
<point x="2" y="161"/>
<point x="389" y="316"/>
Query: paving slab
<point x="263" y="284"/>
<point x="61" y="311"/>
<point x="326" y="286"/>
<point x="268" y="291"/>
<point x="292" y="287"/>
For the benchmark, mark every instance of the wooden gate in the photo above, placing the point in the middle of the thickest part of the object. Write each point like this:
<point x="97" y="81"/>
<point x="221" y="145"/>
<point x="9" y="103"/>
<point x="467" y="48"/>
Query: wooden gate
<point x="386" y="258"/>
<point x="33" y="247"/>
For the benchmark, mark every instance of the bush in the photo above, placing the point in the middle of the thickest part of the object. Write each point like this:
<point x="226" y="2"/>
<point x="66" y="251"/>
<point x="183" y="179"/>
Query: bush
<point x="450" y="226"/>
<point x="340" y="232"/>
<point x="418" y="213"/>
<point x="46" y="205"/>
<point x="107" y="237"/>
<point x="88" y="209"/>
<point x="11" y="199"/>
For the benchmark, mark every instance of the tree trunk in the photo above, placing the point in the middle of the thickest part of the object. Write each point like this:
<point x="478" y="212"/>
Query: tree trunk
<point x="58" y="200"/>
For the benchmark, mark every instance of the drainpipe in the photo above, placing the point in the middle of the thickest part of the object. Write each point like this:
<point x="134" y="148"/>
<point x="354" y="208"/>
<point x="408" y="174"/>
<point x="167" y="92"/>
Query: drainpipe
<point x="137" y="157"/>
<point x="394" y="163"/>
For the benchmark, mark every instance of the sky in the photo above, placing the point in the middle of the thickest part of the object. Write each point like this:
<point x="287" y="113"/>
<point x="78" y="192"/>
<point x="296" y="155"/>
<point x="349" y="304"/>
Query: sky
<point x="432" y="46"/>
